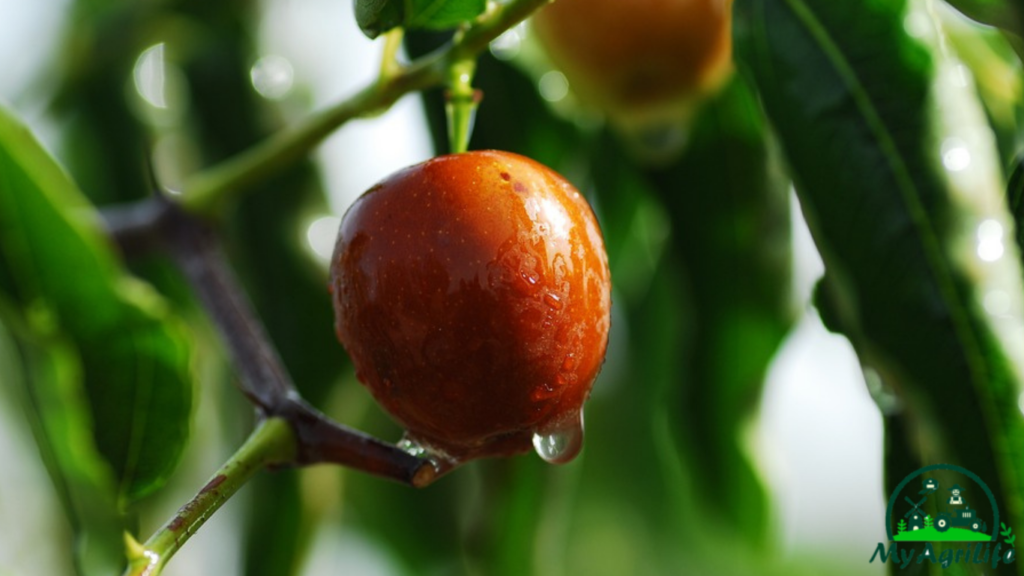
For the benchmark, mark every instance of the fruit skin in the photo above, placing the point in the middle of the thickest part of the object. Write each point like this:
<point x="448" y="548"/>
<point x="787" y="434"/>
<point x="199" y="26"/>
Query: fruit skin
<point x="473" y="294"/>
<point x="639" y="60"/>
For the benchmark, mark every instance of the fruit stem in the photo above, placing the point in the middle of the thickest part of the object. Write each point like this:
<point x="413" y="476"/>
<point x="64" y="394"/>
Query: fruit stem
<point x="461" y="103"/>
<point x="389" y="65"/>
<point x="272" y="442"/>
<point x="207" y="191"/>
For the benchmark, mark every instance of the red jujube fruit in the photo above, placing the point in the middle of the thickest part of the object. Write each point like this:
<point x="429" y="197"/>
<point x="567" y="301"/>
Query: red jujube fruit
<point x="472" y="292"/>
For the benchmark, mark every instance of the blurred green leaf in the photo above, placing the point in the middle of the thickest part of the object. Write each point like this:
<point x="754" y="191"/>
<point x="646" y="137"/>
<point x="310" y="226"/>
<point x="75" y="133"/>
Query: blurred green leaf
<point x="1015" y="199"/>
<point x="994" y="69"/>
<point x="441" y="14"/>
<point x="134" y="359"/>
<point x="857" y="123"/>
<point x="419" y="527"/>
<point x="50" y="389"/>
<point x="378" y="16"/>
<point x="1003" y="14"/>
<point x="728" y="209"/>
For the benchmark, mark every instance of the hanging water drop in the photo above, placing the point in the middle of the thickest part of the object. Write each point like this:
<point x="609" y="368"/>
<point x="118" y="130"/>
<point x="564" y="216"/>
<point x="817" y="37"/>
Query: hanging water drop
<point x="562" y="444"/>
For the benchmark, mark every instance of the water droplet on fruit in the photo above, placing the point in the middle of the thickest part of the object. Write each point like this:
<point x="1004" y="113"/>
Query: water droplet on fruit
<point x="553" y="301"/>
<point x="561" y="444"/>
<point x="542" y="392"/>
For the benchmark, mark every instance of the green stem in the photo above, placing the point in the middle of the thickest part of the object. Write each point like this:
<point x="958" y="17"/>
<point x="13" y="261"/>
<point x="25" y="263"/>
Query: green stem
<point x="389" y="66"/>
<point x="273" y="442"/>
<point x="461" y="105"/>
<point x="207" y="191"/>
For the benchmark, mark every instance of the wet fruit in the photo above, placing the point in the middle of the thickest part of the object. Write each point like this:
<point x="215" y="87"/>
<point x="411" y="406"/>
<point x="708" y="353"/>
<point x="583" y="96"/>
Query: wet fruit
<point x="639" y="60"/>
<point x="472" y="292"/>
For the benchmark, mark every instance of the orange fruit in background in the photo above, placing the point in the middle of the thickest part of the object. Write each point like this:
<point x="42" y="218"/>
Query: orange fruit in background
<point x="639" y="59"/>
<point x="472" y="293"/>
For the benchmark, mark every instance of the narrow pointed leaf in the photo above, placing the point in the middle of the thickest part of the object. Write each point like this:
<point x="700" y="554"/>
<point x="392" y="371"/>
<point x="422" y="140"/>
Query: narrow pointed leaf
<point x="854" y="100"/>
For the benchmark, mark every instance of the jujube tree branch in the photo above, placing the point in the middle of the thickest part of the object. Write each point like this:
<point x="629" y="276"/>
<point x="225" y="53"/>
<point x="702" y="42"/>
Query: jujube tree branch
<point x="263" y="377"/>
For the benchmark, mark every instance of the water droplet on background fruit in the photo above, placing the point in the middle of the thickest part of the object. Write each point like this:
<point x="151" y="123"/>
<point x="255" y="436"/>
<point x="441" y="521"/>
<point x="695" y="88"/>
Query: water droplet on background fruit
<point x="561" y="445"/>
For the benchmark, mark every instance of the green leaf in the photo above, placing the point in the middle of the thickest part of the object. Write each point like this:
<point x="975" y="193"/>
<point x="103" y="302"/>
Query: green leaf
<point x="728" y="211"/>
<point x="854" y="101"/>
<point x="1003" y="14"/>
<point x="990" y="57"/>
<point x="134" y="358"/>
<point x="441" y="14"/>
<point x="1015" y="199"/>
<point x="378" y="16"/>
<point x="46" y="380"/>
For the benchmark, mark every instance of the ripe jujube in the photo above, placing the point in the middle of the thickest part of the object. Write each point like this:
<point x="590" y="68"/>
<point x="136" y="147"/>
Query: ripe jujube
<point x="472" y="292"/>
<point x="641" y="61"/>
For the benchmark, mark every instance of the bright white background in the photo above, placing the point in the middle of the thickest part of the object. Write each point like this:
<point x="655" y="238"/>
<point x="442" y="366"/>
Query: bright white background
<point x="817" y="440"/>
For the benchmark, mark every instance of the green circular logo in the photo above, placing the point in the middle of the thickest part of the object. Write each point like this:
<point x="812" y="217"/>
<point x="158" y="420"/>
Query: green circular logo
<point x="955" y="519"/>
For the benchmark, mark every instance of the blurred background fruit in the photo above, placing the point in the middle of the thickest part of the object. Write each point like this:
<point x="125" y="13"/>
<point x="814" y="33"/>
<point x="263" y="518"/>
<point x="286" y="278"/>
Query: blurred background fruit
<point x="648" y="64"/>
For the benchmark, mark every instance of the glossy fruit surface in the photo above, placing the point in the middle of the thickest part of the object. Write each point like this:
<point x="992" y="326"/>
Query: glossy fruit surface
<point x="472" y="292"/>
<point x="634" y="57"/>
